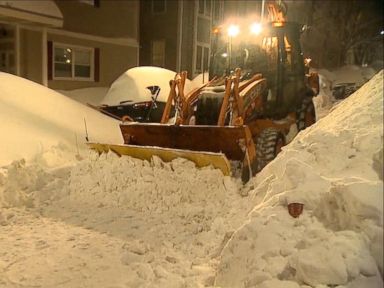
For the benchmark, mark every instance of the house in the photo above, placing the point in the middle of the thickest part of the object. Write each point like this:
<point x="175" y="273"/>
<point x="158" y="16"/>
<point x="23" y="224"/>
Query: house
<point x="69" y="44"/>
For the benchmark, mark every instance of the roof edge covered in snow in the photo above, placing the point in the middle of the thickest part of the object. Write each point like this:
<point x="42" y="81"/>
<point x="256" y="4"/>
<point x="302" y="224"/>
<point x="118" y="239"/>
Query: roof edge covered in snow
<point x="45" y="13"/>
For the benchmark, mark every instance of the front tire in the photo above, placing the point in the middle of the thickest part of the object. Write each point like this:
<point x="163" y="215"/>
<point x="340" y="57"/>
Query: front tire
<point x="268" y="145"/>
<point x="305" y="115"/>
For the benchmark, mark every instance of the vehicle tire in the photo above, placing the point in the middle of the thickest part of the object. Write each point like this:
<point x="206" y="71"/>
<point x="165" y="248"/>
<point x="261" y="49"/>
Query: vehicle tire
<point x="208" y="108"/>
<point x="268" y="145"/>
<point x="305" y="114"/>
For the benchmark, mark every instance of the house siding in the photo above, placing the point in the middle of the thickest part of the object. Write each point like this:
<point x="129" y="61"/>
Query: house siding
<point x="157" y="27"/>
<point x="31" y="55"/>
<point x="114" y="60"/>
<point x="113" y="18"/>
<point x="187" y="37"/>
<point x="112" y="27"/>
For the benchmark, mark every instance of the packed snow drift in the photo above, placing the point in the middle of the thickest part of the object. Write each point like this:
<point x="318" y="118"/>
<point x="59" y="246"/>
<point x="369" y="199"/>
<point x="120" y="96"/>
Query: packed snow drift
<point x="109" y="221"/>
<point x="34" y="118"/>
<point x="335" y="169"/>
<point x="92" y="95"/>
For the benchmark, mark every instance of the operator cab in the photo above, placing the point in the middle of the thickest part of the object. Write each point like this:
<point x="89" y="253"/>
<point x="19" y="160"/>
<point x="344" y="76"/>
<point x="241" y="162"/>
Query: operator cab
<point x="276" y="54"/>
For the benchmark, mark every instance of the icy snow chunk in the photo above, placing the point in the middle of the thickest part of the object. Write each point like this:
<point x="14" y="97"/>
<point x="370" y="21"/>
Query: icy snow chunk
<point x="318" y="265"/>
<point x="353" y="203"/>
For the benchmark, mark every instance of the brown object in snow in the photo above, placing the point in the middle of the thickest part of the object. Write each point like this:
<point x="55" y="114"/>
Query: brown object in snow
<point x="295" y="209"/>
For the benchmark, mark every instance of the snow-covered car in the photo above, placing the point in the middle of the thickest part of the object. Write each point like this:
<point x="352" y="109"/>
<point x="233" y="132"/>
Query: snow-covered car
<point x="144" y="111"/>
<point x="140" y="94"/>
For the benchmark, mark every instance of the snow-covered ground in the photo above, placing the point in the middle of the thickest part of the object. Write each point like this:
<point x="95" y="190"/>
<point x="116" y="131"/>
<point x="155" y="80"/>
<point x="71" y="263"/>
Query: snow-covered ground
<point x="120" y="222"/>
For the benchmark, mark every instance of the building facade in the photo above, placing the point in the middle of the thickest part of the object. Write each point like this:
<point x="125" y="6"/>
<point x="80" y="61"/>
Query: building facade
<point x="69" y="44"/>
<point x="176" y="34"/>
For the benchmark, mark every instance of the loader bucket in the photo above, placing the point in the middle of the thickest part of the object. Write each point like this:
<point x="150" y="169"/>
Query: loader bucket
<point x="233" y="142"/>
<point x="195" y="138"/>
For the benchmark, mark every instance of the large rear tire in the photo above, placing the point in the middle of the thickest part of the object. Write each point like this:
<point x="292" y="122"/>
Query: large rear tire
<point x="268" y="145"/>
<point x="305" y="115"/>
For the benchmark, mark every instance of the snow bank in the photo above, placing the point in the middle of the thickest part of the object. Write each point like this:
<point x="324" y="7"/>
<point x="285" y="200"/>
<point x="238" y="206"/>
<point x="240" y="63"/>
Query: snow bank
<point x="120" y="222"/>
<point x="330" y="168"/>
<point x="166" y="222"/>
<point x="329" y="79"/>
<point x="128" y="182"/>
<point x="34" y="118"/>
<point x="349" y="74"/>
<point x="92" y="95"/>
<point x="132" y="84"/>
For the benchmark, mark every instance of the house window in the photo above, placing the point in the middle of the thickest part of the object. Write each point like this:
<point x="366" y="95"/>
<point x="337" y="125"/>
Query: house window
<point x="202" y="58"/>
<point x="73" y="63"/>
<point x="158" y="53"/>
<point x="218" y="11"/>
<point x="203" y="30"/>
<point x="205" y="7"/>
<point x="158" y="6"/>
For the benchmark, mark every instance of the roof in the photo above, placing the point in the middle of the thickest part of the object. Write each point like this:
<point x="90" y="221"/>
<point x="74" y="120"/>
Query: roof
<point x="37" y="12"/>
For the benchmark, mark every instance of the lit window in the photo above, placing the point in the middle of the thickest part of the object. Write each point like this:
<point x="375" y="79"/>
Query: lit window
<point x="73" y="63"/>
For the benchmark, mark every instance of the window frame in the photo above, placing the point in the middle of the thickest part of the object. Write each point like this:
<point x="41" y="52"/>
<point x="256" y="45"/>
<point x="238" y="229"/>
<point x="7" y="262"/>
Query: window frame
<point x="203" y="69"/>
<point x="91" y="77"/>
<point x="206" y="12"/>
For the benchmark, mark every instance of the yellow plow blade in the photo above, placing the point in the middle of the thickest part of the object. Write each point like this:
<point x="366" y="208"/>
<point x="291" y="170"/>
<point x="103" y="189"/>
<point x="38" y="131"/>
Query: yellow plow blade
<point x="201" y="159"/>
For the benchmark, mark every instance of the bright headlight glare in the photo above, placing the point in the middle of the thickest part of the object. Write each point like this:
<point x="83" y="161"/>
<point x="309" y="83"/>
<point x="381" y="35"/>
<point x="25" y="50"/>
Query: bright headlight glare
<point x="233" y="30"/>
<point x="256" y="28"/>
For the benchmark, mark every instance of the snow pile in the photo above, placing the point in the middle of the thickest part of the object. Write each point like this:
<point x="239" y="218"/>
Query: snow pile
<point x="132" y="84"/>
<point x="335" y="169"/>
<point x="122" y="221"/>
<point x="92" y="95"/>
<point x="346" y="74"/>
<point x="105" y="221"/>
<point x="157" y="186"/>
<point x="354" y="74"/>
<point x="24" y="184"/>
<point x="34" y="118"/>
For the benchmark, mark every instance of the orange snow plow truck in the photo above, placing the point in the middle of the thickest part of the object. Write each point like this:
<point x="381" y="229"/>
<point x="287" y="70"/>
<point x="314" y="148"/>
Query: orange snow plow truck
<point x="241" y="114"/>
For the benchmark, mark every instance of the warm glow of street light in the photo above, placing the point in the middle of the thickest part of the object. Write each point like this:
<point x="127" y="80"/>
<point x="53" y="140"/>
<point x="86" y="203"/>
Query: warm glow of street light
<point x="224" y="55"/>
<point x="256" y="28"/>
<point x="233" y="30"/>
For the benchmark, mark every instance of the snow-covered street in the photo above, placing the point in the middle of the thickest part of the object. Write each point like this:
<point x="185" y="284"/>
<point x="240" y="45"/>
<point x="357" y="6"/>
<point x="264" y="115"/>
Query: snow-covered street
<point x="72" y="219"/>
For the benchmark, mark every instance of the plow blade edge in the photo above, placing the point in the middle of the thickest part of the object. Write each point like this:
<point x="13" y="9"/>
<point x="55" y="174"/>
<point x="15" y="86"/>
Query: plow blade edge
<point x="201" y="159"/>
